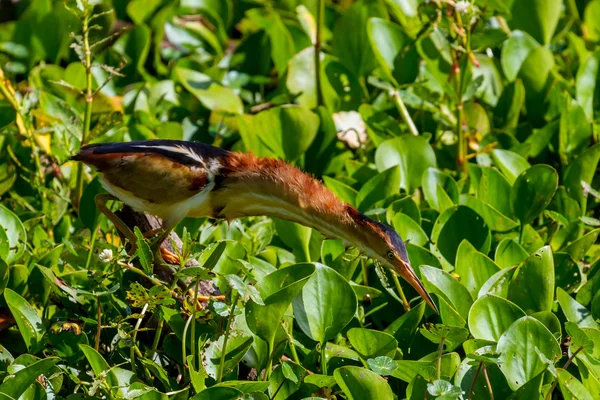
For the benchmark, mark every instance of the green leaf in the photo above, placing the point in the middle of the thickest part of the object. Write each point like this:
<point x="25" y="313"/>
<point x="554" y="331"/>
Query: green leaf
<point x="452" y="335"/>
<point x="14" y="387"/>
<point x="100" y="366"/>
<point x="295" y="236"/>
<point x="412" y="153"/>
<point x="326" y="304"/>
<point x="286" y="131"/>
<point x="143" y="252"/>
<point x="211" y="94"/>
<point x="380" y="187"/>
<point x="519" y="361"/>
<point x="29" y="322"/>
<point x="361" y="384"/>
<point x="514" y="52"/>
<point x="440" y="189"/>
<point x="444" y="390"/>
<point x="341" y="190"/>
<point x="586" y="85"/>
<point x="509" y="252"/>
<point x="533" y="191"/>
<point x="455" y="225"/>
<point x="493" y="218"/>
<point x="280" y="383"/>
<point x="370" y="343"/>
<point x="539" y="18"/>
<point x="473" y="267"/>
<point x="409" y="230"/>
<point x="387" y="42"/>
<point x="218" y="393"/>
<point x="237" y="347"/>
<point x="570" y="387"/>
<point x="350" y="40"/>
<point x="535" y="271"/>
<point x="445" y="286"/>
<point x="579" y="338"/>
<point x="382" y="365"/>
<point x="578" y="249"/>
<point x="510" y="163"/>
<point x="278" y="290"/>
<point x="490" y="316"/>
<point x="574" y="311"/>
<point x="581" y="169"/>
<point x="15" y="233"/>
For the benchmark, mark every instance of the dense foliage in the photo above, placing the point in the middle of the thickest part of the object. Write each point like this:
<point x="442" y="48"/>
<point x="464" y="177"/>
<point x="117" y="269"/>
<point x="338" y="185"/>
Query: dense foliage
<point x="469" y="126"/>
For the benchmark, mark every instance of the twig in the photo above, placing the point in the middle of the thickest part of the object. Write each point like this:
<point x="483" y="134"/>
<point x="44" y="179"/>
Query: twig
<point x="474" y="379"/>
<point x="567" y="363"/>
<point x="401" y="292"/>
<point x="320" y="12"/>
<point x="489" y="384"/>
<point x="404" y="113"/>
<point x="99" y="329"/>
<point x="226" y="337"/>
<point x="439" y="359"/>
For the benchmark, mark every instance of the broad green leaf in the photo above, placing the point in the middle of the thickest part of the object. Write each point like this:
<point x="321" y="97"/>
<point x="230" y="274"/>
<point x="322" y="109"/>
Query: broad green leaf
<point x="361" y="384"/>
<point x="514" y="52"/>
<point x="509" y="252"/>
<point x="409" y="230"/>
<point x="466" y="374"/>
<point x="473" y="267"/>
<point x="100" y="366"/>
<point x="493" y="218"/>
<point x="237" y="346"/>
<point x="490" y="316"/>
<point x="382" y="365"/>
<point x="380" y="187"/>
<point x="570" y="387"/>
<point x="281" y="40"/>
<point x="286" y="131"/>
<point x="444" y="285"/>
<point x="539" y="18"/>
<point x="278" y="290"/>
<point x="537" y="271"/>
<point x="498" y="283"/>
<point x="341" y="190"/>
<point x="326" y="304"/>
<point x="370" y="343"/>
<point x="586" y="85"/>
<point x="412" y="153"/>
<point x="295" y="236"/>
<point x="533" y="191"/>
<point x="578" y="338"/>
<point x="510" y="163"/>
<point x="574" y="311"/>
<point x="451" y="335"/>
<point x="211" y="94"/>
<point x="493" y="188"/>
<point x="350" y="40"/>
<point x="536" y="75"/>
<point x="444" y="390"/>
<point x="517" y="347"/>
<point x="440" y="189"/>
<point x="279" y="377"/>
<point x="581" y="169"/>
<point x="218" y="393"/>
<point x="387" y="42"/>
<point x="455" y="225"/>
<point x="15" y="233"/>
<point x="406" y="206"/>
<point x="580" y="247"/>
<point x="29" y="322"/>
<point x="15" y="386"/>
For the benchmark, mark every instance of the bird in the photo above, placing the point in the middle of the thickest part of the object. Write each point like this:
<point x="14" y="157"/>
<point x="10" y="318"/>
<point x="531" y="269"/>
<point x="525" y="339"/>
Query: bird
<point x="175" y="179"/>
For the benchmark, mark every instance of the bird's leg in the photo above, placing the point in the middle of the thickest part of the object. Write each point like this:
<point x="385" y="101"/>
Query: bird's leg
<point x="101" y="200"/>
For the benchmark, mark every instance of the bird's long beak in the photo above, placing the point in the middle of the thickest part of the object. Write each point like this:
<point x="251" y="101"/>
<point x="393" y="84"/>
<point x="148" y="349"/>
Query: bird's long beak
<point x="408" y="273"/>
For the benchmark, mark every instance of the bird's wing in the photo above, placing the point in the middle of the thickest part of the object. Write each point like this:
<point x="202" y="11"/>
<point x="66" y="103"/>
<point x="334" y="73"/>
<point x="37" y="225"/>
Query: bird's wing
<point x="157" y="171"/>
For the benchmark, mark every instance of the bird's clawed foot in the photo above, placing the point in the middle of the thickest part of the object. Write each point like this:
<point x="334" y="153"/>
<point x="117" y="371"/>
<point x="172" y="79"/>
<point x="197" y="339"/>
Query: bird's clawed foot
<point x="168" y="256"/>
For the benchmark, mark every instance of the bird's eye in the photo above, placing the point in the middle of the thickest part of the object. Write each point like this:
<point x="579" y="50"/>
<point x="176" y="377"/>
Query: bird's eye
<point x="391" y="255"/>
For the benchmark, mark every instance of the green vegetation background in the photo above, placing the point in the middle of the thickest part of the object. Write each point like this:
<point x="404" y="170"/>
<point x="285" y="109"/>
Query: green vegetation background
<point x="469" y="126"/>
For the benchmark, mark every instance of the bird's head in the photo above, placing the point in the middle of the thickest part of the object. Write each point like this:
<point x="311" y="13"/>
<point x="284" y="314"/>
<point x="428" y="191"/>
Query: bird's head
<point x="387" y="248"/>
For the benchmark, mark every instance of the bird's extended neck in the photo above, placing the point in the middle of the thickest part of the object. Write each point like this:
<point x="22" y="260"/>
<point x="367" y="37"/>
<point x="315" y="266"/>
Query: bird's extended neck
<point x="254" y="186"/>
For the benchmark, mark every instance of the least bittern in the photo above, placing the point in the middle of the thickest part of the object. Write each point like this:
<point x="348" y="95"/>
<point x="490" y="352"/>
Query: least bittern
<point x="177" y="179"/>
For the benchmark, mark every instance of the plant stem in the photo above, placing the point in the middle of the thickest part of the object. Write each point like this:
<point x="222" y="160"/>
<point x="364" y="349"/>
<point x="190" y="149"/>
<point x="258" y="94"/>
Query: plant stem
<point x="292" y="346"/>
<point x="488" y="383"/>
<point x="99" y="329"/>
<point x="404" y="113"/>
<point x="567" y="363"/>
<point x="320" y="12"/>
<point x="87" y="117"/>
<point x="134" y="336"/>
<point x="193" y="338"/>
<point x="401" y="292"/>
<point x="184" y="345"/>
<point x="461" y="158"/>
<point x="226" y="337"/>
<point x="439" y="359"/>
<point x="365" y="272"/>
<point x="278" y="388"/>
<point x="474" y="379"/>
<point x="88" y="261"/>
<point x="324" y="358"/>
